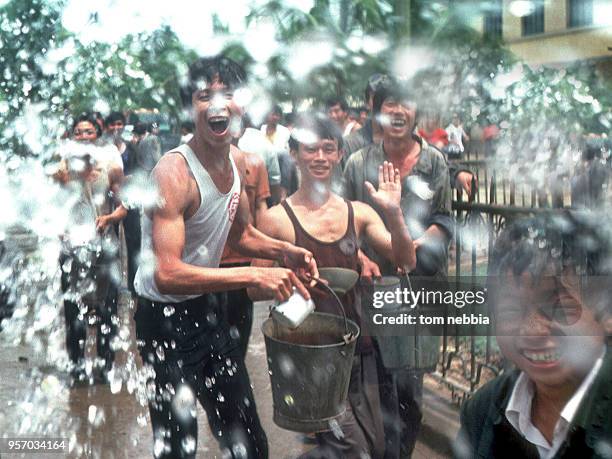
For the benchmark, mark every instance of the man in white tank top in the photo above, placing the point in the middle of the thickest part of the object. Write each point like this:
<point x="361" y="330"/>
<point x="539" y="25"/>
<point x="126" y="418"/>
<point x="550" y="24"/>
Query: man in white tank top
<point x="186" y="337"/>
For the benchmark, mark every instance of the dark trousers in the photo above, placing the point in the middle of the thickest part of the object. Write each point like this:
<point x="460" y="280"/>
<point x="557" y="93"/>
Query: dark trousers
<point x="131" y="225"/>
<point x="91" y="287"/>
<point x="195" y="356"/>
<point x="361" y="426"/>
<point x="239" y="312"/>
<point x="401" y="394"/>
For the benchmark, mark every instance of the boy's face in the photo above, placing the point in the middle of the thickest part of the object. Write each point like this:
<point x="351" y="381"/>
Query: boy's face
<point x="216" y="113"/>
<point x="317" y="160"/>
<point x="545" y="328"/>
<point x="337" y="114"/>
<point x="115" y="127"/>
<point x="397" y="118"/>
<point x="85" y="131"/>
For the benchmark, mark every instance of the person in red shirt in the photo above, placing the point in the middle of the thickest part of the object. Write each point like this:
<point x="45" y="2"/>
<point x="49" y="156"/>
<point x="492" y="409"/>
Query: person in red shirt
<point x="432" y="132"/>
<point x="255" y="176"/>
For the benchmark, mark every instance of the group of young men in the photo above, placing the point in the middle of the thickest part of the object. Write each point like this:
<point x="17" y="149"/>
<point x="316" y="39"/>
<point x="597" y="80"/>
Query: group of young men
<point x="374" y="200"/>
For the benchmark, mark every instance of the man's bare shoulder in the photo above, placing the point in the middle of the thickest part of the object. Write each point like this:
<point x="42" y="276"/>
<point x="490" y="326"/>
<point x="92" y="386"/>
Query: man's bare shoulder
<point x="172" y="164"/>
<point x="174" y="180"/>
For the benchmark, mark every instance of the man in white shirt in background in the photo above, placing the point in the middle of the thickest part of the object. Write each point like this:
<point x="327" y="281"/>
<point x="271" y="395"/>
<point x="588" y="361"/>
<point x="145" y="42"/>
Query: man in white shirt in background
<point x="456" y="134"/>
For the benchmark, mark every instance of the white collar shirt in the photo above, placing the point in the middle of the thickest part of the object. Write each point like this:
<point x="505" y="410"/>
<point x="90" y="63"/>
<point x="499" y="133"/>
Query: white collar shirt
<point x="518" y="412"/>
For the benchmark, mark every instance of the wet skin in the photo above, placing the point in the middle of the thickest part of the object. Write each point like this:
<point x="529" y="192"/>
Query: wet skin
<point x="545" y="328"/>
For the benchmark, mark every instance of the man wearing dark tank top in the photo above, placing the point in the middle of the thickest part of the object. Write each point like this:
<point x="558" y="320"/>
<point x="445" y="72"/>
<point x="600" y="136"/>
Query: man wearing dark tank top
<point x="330" y="227"/>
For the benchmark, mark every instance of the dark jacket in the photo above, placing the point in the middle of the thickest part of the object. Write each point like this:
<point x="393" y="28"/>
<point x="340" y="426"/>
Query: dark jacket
<point x="486" y="433"/>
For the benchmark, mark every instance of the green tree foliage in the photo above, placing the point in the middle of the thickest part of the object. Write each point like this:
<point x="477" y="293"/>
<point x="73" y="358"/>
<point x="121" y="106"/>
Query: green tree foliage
<point x="48" y="74"/>
<point x="356" y="32"/>
<point x="141" y="71"/>
<point x="28" y="30"/>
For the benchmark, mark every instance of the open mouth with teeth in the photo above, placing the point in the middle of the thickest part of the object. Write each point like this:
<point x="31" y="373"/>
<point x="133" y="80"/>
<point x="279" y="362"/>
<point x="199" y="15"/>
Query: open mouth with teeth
<point x="218" y="124"/>
<point x="398" y="123"/>
<point x="548" y="356"/>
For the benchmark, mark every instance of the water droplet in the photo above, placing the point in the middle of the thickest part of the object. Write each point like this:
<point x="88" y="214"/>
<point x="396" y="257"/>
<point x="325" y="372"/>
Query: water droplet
<point x="335" y="428"/>
<point x="239" y="451"/>
<point x="220" y="397"/>
<point x="141" y="419"/>
<point x="289" y="400"/>
<point x="160" y="353"/>
<point x="95" y="415"/>
<point x="170" y="388"/>
<point x="67" y="265"/>
<point x="168" y="311"/>
<point x="208" y="382"/>
<point x="115" y="381"/>
<point x="158" y="447"/>
<point x="286" y="366"/>
<point x="188" y="444"/>
<point x="234" y="333"/>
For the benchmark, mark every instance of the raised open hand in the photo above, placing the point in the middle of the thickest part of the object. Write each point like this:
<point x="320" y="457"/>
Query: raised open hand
<point x="389" y="193"/>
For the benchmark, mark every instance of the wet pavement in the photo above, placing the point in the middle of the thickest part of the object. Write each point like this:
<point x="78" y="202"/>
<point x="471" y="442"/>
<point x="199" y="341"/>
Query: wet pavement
<point x="114" y="425"/>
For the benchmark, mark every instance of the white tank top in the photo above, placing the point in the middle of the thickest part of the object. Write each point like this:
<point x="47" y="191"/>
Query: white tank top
<point x="205" y="232"/>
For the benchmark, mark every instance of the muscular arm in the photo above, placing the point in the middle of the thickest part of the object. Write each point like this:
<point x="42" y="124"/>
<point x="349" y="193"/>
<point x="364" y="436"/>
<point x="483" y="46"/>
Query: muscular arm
<point x="271" y="223"/>
<point x="251" y="242"/>
<point x="172" y="275"/>
<point x="261" y="207"/>
<point x="116" y="179"/>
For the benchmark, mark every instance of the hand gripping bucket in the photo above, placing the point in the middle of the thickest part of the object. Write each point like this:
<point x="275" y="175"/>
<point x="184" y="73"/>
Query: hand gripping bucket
<point x="310" y="369"/>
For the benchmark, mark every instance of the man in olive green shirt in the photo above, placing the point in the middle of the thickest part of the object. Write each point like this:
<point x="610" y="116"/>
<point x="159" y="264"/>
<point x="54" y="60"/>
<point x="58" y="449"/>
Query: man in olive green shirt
<point x="426" y="205"/>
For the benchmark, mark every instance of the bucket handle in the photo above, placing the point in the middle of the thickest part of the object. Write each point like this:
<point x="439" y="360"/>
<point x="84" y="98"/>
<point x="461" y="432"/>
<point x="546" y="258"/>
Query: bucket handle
<point x="347" y="335"/>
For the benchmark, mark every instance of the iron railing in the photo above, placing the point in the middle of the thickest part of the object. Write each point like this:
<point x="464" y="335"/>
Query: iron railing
<point x="467" y="362"/>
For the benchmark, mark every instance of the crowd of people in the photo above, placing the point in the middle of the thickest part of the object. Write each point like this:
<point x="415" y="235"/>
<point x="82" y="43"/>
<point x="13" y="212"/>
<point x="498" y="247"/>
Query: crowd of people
<point x="246" y="214"/>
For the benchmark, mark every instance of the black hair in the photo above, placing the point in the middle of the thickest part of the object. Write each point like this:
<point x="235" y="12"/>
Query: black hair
<point x="87" y="117"/>
<point x="207" y="69"/>
<point x="569" y="239"/>
<point x="140" y="128"/>
<point x="375" y="82"/>
<point x="391" y="88"/>
<point x="289" y="119"/>
<point x="593" y="148"/>
<point x="98" y="116"/>
<point x="574" y="241"/>
<point x="317" y="123"/>
<point x="113" y="117"/>
<point x="337" y="101"/>
<point x="276" y="109"/>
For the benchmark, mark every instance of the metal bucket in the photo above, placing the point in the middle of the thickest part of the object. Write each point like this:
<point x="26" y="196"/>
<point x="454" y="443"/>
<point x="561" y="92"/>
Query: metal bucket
<point x="310" y="369"/>
<point x="409" y="351"/>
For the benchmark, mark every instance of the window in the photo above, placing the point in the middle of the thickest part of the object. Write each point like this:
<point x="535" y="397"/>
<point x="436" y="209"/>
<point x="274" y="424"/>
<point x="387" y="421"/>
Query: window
<point x="534" y="23"/>
<point x="493" y="20"/>
<point x="580" y="13"/>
